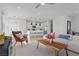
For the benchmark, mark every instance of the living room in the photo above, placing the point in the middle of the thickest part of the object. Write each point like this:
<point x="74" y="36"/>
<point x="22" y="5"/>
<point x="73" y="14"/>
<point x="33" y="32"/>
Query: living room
<point x="35" y="20"/>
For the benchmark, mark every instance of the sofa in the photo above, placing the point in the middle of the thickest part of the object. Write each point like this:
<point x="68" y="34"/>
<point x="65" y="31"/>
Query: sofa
<point x="5" y="49"/>
<point x="72" y="42"/>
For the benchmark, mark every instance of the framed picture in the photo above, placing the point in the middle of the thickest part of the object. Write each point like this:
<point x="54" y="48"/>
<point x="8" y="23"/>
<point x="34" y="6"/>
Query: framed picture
<point x="68" y="27"/>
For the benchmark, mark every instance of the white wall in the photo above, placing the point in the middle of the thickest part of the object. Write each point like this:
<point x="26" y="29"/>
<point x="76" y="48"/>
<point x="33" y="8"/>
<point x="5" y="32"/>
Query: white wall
<point x="1" y="21"/>
<point x="14" y="24"/>
<point x="57" y="13"/>
<point x="60" y="25"/>
<point x="75" y="23"/>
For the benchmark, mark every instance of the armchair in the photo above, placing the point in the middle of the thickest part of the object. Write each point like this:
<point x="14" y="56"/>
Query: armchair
<point x="21" y="40"/>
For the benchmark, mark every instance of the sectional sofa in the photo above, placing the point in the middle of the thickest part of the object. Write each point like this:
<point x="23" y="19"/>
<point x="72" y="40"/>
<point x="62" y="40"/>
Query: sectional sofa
<point x="72" y="42"/>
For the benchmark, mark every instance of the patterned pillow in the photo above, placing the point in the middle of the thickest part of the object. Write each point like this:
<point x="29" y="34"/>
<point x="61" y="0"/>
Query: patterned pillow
<point x="19" y="36"/>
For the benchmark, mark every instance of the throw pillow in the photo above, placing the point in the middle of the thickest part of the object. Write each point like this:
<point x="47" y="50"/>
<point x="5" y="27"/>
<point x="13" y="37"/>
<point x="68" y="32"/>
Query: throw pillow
<point x="19" y="36"/>
<point x="2" y="37"/>
<point x="63" y="36"/>
<point x="25" y="36"/>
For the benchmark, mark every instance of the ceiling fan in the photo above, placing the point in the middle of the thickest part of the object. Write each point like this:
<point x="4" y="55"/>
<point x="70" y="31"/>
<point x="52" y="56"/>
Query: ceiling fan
<point x="40" y="4"/>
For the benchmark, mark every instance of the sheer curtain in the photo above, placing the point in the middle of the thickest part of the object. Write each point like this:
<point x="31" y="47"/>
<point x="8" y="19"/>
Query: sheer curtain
<point x="1" y="20"/>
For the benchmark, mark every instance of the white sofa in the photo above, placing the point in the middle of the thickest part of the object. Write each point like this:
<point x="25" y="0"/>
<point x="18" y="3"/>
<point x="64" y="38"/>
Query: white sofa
<point x="73" y="43"/>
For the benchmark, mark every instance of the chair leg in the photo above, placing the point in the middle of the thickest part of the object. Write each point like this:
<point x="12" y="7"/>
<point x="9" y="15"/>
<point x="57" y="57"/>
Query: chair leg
<point x="66" y="51"/>
<point x="21" y="44"/>
<point x="27" y="42"/>
<point x="15" y="43"/>
<point x="56" y="53"/>
<point x="14" y="49"/>
<point x="38" y="45"/>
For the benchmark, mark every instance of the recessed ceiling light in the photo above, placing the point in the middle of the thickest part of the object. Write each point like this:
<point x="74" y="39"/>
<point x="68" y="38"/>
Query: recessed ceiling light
<point x="18" y="7"/>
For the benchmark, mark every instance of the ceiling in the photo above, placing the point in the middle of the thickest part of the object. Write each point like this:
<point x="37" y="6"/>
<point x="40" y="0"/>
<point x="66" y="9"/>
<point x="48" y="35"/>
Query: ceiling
<point x="28" y="9"/>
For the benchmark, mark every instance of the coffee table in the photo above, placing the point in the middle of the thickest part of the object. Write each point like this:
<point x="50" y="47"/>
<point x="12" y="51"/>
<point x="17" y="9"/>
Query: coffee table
<point x="56" y="46"/>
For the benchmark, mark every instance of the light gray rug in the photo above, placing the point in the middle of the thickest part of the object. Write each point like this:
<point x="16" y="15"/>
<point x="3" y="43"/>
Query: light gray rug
<point x="31" y="50"/>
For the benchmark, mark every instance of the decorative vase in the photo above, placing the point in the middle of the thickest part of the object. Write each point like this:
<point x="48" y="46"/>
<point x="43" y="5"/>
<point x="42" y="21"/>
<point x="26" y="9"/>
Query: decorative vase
<point x="50" y="40"/>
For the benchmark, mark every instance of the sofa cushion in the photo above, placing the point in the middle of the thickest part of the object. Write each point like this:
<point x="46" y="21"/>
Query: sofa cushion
<point x="74" y="46"/>
<point x="75" y="38"/>
<point x="61" y="40"/>
<point x="74" y="43"/>
<point x="19" y="36"/>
